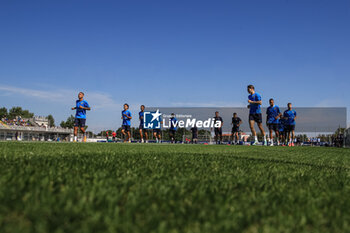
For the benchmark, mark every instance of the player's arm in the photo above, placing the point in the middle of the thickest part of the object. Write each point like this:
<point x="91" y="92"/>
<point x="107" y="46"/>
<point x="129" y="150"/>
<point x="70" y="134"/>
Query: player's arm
<point x="255" y="102"/>
<point x="74" y="108"/>
<point x="85" y="108"/>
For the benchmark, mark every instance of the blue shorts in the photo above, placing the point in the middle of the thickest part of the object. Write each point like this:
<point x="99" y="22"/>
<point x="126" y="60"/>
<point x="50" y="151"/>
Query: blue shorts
<point x="272" y="126"/>
<point x="257" y="117"/>
<point x="156" y="131"/>
<point x="79" y="122"/>
<point x="141" y="127"/>
<point x="126" y="128"/>
<point x="289" y="128"/>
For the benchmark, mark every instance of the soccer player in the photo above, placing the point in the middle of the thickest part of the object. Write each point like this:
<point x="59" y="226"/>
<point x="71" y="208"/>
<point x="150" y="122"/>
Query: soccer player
<point x="254" y="100"/>
<point x="81" y="106"/>
<point x="236" y="122"/>
<point x="114" y="134"/>
<point x="126" y="116"/>
<point x="272" y="119"/>
<point x="290" y="115"/>
<point x="194" y="131"/>
<point x="218" y="130"/>
<point x="173" y="127"/>
<point x="141" y="127"/>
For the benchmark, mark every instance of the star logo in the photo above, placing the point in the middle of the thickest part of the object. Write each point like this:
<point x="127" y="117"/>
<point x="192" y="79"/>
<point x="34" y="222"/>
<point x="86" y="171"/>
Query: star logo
<point x="156" y="115"/>
<point x="152" y="120"/>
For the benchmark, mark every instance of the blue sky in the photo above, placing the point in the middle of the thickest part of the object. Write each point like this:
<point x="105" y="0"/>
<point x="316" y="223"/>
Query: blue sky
<point x="171" y="53"/>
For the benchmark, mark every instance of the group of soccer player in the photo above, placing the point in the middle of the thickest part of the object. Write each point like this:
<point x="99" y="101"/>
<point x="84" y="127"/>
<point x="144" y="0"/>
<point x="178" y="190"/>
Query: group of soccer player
<point x="283" y="125"/>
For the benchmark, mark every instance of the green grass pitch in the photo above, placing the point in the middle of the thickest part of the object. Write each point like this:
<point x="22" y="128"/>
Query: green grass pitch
<point x="97" y="187"/>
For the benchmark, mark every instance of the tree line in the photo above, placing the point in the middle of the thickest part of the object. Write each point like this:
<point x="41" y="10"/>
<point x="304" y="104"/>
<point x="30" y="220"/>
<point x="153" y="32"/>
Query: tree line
<point x="14" y="112"/>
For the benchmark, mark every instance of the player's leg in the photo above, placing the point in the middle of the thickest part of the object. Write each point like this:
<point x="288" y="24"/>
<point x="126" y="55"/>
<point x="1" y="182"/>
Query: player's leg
<point x="251" y="126"/>
<point x="252" y="129"/>
<point x="123" y="132"/>
<point x="220" y="134"/>
<point x="277" y="135"/>
<point x="155" y="135"/>
<point x="290" y="136"/>
<point x="82" y="129"/>
<point x="159" y="136"/>
<point x="129" y="136"/>
<point x="271" y="134"/>
<point x="171" y="136"/>
<point x="293" y="135"/>
<point x="216" y="135"/>
<point x="76" y="127"/>
<point x="146" y="136"/>
<point x="128" y="133"/>
<point x="261" y="128"/>
<point x="141" y="135"/>
<point x="75" y="133"/>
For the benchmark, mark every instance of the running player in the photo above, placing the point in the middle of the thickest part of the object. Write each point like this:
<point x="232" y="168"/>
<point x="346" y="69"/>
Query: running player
<point x="218" y="130"/>
<point x="236" y="122"/>
<point x="194" y="131"/>
<point x="141" y="127"/>
<point x="290" y="115"/>
<point x="272" y="119"/>
<point x="80" y="116"/>
<point x="114" y="134"/>
<point x="173" y="127"/>
<point x="254" y="100"/>
<point x="126" y="116"/>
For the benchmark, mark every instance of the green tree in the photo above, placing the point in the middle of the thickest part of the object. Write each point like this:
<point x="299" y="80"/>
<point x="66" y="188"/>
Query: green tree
<point x="69" y="123"/>
<point x="18" y="111"/>
<point x="3" y="112"/>
<point x="51" y="120"/>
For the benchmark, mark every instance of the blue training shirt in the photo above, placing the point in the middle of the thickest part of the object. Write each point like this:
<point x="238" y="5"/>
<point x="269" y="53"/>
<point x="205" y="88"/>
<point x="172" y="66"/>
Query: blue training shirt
<point x="272" y="113"/>
<point x="255" y="108"/>
<point x="81" y="113"/>
<point x="290" y="115"/>
<point x="173" y="123"/>
<point x="141" y="117"/>
<point x="126" y="121"/>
